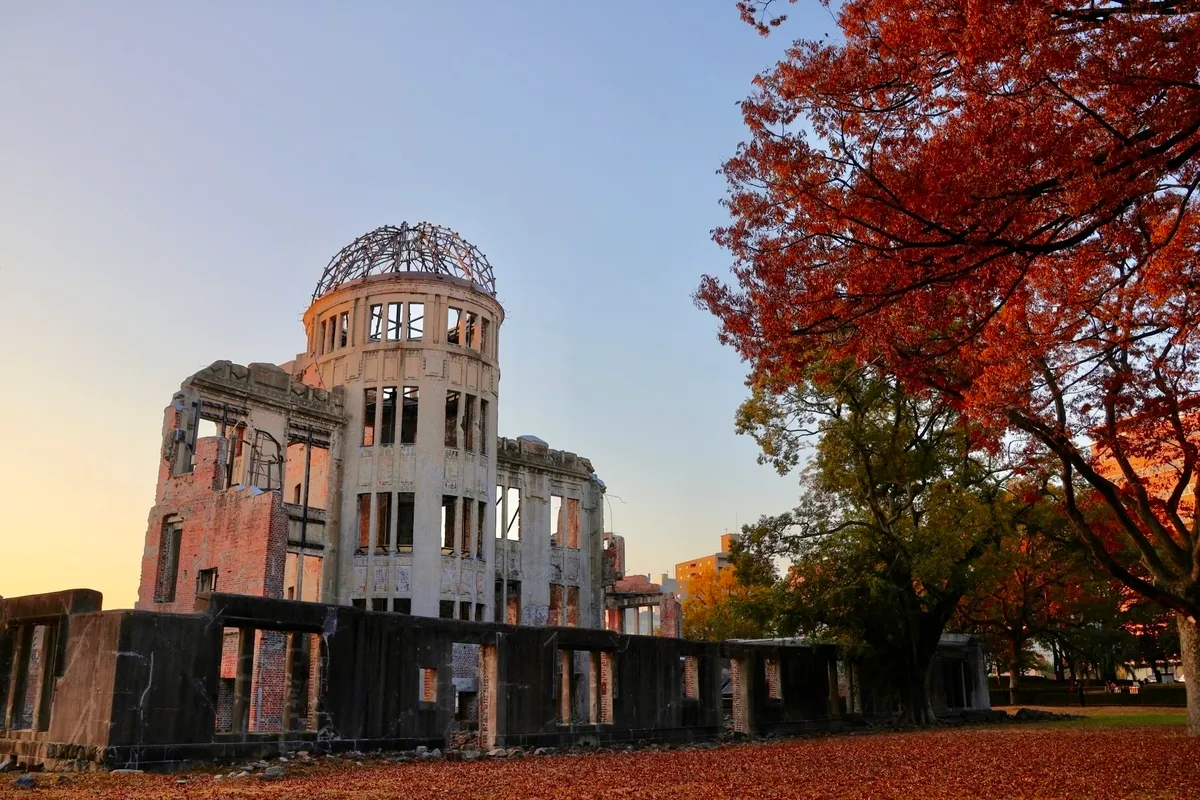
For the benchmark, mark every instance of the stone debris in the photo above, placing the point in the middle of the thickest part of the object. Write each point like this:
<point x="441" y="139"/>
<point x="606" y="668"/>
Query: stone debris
<point x="25" y="781"/>
<point x="273" y="773"/>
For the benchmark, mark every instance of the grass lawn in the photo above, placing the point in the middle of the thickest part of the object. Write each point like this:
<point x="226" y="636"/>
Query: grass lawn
<point x="1111" y="756"/>
<point x="1115" y="716"/>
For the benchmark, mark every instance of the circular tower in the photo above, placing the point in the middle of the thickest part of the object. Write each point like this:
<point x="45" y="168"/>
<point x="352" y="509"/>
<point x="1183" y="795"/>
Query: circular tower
<point x="405" y="319"/>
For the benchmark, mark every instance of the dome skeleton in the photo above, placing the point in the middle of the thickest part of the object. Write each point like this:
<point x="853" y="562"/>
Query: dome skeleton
<point x="422" y="247"/>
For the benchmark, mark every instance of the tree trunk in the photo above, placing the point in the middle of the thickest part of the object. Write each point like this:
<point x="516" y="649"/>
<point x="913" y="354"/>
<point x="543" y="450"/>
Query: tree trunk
<point x="1154" y="670"/>
<point x="1014" y="670"/>
<point x="1189" y="656"/>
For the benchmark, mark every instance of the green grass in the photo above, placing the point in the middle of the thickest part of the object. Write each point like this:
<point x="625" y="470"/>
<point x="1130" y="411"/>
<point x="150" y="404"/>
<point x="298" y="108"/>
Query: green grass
<point x="1127" y="720"/>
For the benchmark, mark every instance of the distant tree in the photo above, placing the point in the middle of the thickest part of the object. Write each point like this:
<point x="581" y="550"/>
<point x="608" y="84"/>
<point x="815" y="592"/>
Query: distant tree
<point x="997" y="201"/>
<point x="717" y="607"/>
<point x="898" y="506"/>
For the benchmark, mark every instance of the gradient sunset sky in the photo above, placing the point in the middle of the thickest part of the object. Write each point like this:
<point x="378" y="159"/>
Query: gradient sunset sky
<point x="174" y="177"/>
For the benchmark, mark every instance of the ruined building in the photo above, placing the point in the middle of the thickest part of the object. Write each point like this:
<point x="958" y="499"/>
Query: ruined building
<point x="367" y="471"/>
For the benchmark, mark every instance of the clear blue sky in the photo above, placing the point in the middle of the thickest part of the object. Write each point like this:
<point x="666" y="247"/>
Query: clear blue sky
<point x="174" y="177"/>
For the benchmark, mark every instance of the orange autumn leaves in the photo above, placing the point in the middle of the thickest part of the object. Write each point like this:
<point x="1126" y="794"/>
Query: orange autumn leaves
<point x="1042" y="762"/>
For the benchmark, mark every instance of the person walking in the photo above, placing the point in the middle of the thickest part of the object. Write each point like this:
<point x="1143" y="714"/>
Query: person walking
<point x="1079" y="688"/>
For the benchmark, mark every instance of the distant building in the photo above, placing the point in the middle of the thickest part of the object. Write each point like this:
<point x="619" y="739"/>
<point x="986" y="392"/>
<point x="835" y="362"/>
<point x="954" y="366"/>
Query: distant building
<point x="716" y="562"/>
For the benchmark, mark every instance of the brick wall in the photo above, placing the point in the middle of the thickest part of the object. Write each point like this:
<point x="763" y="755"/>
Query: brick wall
<point x="242" y="533"/>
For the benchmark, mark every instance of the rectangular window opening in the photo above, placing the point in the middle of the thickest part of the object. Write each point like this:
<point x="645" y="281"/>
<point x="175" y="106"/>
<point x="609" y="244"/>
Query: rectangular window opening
<point x="379" y="604"/>
<point x="206" y="580"/>
<point x="168" y="561"/>
<point x="322" y="340"/>
<point x="449" y="507"/>
<point x="468" y="423"/>
<point x="375" y="325"/>
<point x="572" y="522"/>
<point x="406" y="514"/>
<point x="452" y="398"/>
<point x="359" y="602"/>
<point x="512" y="603"/>
<point x="344" y="337"/>
<point x="402" y="605"/>
<point x="555" y="520"/>
<point x="483" y="427"/>
<point x="484" y="331"/>
<point x="500" y="517"/>
<point x="572" y="607"/>
<point x="428" y="685"/>
<point x="364" y="522"/>
<point x="480" y="612"/>
<point x="383" y="529"/>
<point x="408" y="415"/>
<point x="369" y="402"/>
<point x="469" y="331"/>
<point x="416" y="321"/>
<point x="481" y="527"/>
<point x="332" y="334"/>
<point x="387" y="421"/>
<point x="393" y="321"/>
<point x="464" y="611"/>
<point x="512" y="503"/>
<point x="446" y="609"/>
<point x="467" y="520"/>
<point x="453" y="324"/>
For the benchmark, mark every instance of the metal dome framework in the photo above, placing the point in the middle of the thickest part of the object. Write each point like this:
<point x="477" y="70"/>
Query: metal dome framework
<point x="408" y="248"/>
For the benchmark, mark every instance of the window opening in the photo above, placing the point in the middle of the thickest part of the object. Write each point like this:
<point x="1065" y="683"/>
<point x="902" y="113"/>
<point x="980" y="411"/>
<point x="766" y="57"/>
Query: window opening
<point x="364" y="522"/>
<point x="206" y="580"/>
<point x="483" y="427"/>
<point x="406" y="508"/>
<point x="453" y="323"/>
<point x="449" y="506"/>
<point x="428" y="685"/>
<point x="375" y="326"/>
<point x="383" y="528"/>
<point x="446" y="609"/>
<point x="332" y="334"/>
<point x="452" y="418"/>
<point x="480" y="612"/>
<point x="467" y="519"/>
<point x="168" y="561"/>
<point x="482" y="521"/>
<point x="387" y="422"/>
<point x="572" y="522"/>
<point x="512" y="499"/>
<point x="402" y="605"/>
<point x="393" y="321"/>
<point x="555" y="520"/>
<point x="469" y="330"/>
<point x="408" y="415"/>
<point x="266" y="462"/>
<point x="416" y="321"/>
<point x="359" y="602"/>
<point x="464" y="611"/>
<point x="572" y="606"/>
<point x="321" y="342"/>
<point x="344" y="338"/>
<point x="369" y="400"/>
<point x="468" y="423"/>
<point x="556" y="605"/>
<point x="379" y="604"/>
<point x="512" y="603"/>
<point x="484" y="331"/>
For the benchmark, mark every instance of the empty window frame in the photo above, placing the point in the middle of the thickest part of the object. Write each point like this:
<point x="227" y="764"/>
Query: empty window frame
<point x="369" y="403"/>
<point x="500" y="518"/>
<point x="206" y="580"/>
<point x="364" y="522"/>
<point x="512" y="603"/>
<point x="332" y="342"/>
<point x="416" y="321"/>
<point x="387" y="416"/>
<point x="406" y="514"/>
<point x="555" y="520"/>
<point x="321" y="341"/>
<point x="480" y="612"/>
<point x="464" y="610"/>
<point x="571" y="513"/>
<point x="468" y="520"/>
<point x="453" y="325"/>
<point x="359" y="602"/>
<point x="481" y="527"/>
<point x="485" y="331"/>
<point x="402" y="605"/>
<point x="572" y="607"/>
<point x="446" y="609"/>
<point x="449" y="520"/>
<point x="512" y="510"/>
<point x="774" y="691"/>
<point x="468" y="423"/>
<point x="394" y="314"/>
<point x="483" y="427"/>
<point x="344" y="330"/>
<point x="379" y="604"/>
<point x="383" y="528"/>
<point x="168" y="561"/>
<point x="469" y="330"/>
<point x="428" y="685"/>
<point x="375" y="323"/>
<point x="452" y="402"/>
<point x="408" y="415"/>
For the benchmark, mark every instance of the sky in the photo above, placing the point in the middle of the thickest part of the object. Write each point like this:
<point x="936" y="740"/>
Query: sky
<point x="175" y="176"/>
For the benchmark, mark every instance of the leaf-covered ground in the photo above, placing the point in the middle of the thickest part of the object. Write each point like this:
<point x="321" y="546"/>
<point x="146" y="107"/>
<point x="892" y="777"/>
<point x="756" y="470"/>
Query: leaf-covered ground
<point x="1027" y="761"/>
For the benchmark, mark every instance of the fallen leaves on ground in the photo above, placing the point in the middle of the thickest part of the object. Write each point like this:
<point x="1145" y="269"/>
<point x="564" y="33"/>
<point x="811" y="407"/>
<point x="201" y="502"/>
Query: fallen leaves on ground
<point x="1004" y="762"/>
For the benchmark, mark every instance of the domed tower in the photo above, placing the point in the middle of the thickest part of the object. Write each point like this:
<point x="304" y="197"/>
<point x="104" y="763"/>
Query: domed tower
<point x="405" y="319"/>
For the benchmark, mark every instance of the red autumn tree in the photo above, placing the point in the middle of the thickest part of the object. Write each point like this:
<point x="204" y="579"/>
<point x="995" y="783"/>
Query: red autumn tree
<point x="997" y="201"/>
